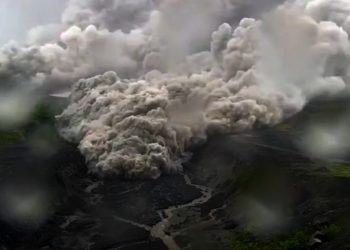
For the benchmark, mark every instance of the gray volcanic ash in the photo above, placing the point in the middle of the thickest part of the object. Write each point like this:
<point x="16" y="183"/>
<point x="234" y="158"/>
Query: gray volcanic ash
<point x="177" y="72"/>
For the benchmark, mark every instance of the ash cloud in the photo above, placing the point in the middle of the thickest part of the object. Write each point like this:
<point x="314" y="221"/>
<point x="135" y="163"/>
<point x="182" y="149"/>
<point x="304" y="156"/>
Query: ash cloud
<point x="255" y="74"/>
<point x="129" y="37"/>
<point x="178" y="71"/>
<point x="113" y="15"/>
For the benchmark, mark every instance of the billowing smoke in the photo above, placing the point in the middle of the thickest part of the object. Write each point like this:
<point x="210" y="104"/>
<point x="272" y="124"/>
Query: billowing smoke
<point x="177" y="72"/>
<point x="113" y="15"/>
<point x="128" y="37"/>
<point x="254" y="74"/>
<point x="123" y="36"/>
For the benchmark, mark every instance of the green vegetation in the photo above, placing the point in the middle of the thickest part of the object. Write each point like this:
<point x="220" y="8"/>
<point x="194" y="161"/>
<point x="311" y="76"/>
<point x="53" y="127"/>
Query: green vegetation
<point x="339" y="170"/>
<point x="331" y="231"/>
<point x="10" y="137"/>
<point x="329" y="170"/>
<point x="296" y="241"/>
<point x="285" y="127"/>
<point x="246" y="241"/>
<point x="42" y="114"/>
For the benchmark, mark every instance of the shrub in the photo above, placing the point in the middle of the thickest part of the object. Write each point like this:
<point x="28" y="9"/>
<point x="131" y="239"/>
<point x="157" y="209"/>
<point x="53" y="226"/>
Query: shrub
<point x="246" y="241"/>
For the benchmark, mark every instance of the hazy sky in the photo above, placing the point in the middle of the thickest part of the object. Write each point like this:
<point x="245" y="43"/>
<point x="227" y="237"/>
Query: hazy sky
<point x="18" y="16"/>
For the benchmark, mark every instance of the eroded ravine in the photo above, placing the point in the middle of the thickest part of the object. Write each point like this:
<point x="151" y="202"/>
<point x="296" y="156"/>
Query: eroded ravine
<point x="160" y="230"/>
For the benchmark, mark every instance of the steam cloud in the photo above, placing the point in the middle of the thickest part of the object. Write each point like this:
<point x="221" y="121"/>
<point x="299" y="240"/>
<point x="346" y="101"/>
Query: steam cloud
<point x="178" y="71"/>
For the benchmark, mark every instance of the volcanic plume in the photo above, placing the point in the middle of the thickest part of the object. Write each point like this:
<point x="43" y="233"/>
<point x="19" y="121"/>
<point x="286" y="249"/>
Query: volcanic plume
<point x="154" y="78"/>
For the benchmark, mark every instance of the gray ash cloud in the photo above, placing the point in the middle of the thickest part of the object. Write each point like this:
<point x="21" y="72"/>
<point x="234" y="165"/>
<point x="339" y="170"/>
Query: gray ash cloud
<point x="178" y="71"/>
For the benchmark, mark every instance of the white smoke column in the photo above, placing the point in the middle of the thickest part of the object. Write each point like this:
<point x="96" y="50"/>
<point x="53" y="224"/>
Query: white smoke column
<point x="185" y="27"/>
<point x="302" y="57"/>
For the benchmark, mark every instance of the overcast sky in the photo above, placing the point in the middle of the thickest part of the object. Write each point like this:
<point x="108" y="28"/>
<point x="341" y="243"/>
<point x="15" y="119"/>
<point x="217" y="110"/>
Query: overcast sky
<point x="18" y="16"/>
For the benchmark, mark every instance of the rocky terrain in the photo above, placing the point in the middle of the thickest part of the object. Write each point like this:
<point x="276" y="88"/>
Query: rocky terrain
<point x="257" y="182"/>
